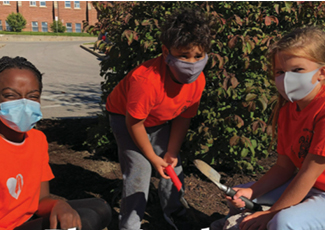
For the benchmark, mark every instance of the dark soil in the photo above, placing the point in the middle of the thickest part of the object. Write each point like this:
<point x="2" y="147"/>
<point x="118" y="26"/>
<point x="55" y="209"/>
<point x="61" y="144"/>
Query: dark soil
<point x="81" y="174"/>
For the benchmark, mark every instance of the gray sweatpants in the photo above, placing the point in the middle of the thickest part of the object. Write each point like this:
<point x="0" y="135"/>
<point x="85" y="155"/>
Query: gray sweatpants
<point x="136" y="170"/>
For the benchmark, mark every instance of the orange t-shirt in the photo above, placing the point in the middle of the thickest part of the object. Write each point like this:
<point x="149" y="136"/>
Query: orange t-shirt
<point x="148" y="92"/>
<point x="23" y="168"/>
<point x="302" y="132"/>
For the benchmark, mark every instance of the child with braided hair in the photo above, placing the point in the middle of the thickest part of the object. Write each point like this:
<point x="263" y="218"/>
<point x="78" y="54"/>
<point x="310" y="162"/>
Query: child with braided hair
<point x="25" y="201"/>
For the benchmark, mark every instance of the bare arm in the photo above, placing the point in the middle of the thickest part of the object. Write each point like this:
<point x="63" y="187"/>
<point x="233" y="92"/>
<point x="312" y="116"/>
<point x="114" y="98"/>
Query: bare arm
<point x="311" y="169"/>
<point x="178" y="131"/>
<point x="280" y="173"/>
<point x="57" y="210"/>
<point x="140" y="137"/>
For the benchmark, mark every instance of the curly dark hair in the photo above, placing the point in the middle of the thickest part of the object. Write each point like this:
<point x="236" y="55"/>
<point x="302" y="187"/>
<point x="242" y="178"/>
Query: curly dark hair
<point x="20" y="63"/>
<point x="185" y="28"/>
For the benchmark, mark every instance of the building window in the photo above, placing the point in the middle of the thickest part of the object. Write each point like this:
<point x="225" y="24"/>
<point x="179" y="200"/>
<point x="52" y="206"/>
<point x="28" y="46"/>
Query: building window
<point x="77" y="4"/>
<point x="67" y="4"/>
<point x="78" y="27"/>
<point x="35" y="26"/>
<point x="44" y="27"/>
<point x="0" y="25"/>
<point x="69" y="27"/>
<point x="42" y="3"/>
<point x="32" y="3"/>
<point x="8" y="28"/>
<point x="6" y="2"/>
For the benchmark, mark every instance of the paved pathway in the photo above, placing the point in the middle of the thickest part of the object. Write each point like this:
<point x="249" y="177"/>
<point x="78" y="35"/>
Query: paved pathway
<point x="71" y="76"/>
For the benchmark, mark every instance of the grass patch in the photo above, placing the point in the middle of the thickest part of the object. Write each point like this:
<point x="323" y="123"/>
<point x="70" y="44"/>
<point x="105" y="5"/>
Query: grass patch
<point x="48" y="34"/>
<point x="89" y="43"/>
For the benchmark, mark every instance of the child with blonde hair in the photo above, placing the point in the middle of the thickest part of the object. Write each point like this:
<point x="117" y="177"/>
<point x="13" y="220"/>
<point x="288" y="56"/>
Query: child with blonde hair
<point x="295" y="186"/>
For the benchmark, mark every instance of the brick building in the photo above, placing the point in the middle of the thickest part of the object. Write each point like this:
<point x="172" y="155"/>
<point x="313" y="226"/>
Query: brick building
<point x="41" y="14"/>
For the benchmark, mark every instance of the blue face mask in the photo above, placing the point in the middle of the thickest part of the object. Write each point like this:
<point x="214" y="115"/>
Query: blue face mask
<point x="20" y="115"/>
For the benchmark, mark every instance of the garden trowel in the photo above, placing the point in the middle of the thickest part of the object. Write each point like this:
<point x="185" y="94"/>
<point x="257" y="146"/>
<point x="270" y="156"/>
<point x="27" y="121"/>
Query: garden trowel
<point x="177" y="183"/>
<point x="214" y="176"/>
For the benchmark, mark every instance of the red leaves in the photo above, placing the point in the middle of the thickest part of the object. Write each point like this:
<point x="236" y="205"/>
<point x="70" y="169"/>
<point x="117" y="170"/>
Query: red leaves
<point x="269" y="19"/>
<point x="130" y="35"/>
<point x="229" y="81"/>
<point x="217" y="58"/>
<point x="232" y="42"/>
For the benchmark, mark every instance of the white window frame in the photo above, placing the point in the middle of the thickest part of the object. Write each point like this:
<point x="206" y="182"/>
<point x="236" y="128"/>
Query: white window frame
<point x="69" y="28"/>
<point x="45" y="27"/>
<point x="6" y="2"/>
<point x="34" y="27"/>
<point x="66" y="3"/>
<point x="32" y="3"/>
<point x="78" y="28"/>
<point x="8" y="28"/>
<point x="42" y="3"/>
<point x="1" y="29"/>
<point x="76" y="4"/>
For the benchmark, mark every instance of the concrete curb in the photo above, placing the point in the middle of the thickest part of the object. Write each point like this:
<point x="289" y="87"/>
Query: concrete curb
<point x="38" y="38"/>
<point x="90" y="49"/>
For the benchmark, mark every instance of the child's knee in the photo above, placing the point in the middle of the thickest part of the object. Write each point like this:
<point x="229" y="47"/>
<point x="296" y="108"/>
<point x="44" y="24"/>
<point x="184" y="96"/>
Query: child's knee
<point x="283" y="220"/>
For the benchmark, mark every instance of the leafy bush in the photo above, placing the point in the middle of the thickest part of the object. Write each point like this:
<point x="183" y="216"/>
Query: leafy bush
<point x="16" y="21"/>
<point x="57" y="27"/>
<point x="232" y="127"/>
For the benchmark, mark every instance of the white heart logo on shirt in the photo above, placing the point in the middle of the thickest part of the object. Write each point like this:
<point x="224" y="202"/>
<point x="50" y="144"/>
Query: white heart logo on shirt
<point x="15" y="185"/>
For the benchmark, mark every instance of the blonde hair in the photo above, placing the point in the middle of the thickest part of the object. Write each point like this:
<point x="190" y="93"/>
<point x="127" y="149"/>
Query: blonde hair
<point x="307" y="42"/>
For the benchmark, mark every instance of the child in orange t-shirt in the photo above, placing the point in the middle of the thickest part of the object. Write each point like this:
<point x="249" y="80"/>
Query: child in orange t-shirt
<point x="150" y="112"/>
<point x="25" y="201"/>
<point x="297" y="199"/>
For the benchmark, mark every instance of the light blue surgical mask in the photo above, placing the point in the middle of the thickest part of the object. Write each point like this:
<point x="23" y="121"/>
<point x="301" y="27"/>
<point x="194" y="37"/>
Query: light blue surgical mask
<point x="20" y="115"/>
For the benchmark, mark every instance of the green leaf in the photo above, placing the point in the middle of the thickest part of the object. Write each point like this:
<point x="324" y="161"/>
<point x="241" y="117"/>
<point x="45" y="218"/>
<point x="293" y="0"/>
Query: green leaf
<point x="244" y="152"/>
<point x="250" y="97"/>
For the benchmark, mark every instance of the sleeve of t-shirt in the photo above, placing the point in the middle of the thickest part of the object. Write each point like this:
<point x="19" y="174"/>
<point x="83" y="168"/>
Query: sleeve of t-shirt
<point x="47" y="173"/>
<point x="141" y="98"/>
<point x="317" y="145"/>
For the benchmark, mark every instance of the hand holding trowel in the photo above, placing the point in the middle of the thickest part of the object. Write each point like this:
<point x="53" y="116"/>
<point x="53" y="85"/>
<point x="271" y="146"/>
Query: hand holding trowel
<point x="178" y="184"/>
<point x="214" y="176"/>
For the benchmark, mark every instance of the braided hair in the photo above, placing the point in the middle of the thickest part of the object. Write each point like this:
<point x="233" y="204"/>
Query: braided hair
<point x="20" y="63"/>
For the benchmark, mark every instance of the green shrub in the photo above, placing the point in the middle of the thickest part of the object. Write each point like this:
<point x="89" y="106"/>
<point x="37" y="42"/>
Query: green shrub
<point x="232" y="127"/>
<point x="16" y="21"/>
<point x="57" y="27"/>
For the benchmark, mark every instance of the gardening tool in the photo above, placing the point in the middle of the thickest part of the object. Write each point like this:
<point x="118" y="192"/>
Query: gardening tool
<point x="178" y="184"/>
<point x="214" y="176"/>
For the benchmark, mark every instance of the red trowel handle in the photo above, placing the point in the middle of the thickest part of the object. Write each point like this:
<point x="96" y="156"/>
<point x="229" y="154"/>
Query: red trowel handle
<point x="170" y="172"/>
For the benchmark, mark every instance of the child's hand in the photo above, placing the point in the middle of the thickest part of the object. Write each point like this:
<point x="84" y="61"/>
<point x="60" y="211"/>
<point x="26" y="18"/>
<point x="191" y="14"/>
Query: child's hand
<point x="171" y="159"/>
<point x="160" y="165"/>
<point x="67" y="216"/>
<point x="257" y="220"/>
<point x="236" y="201"/>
